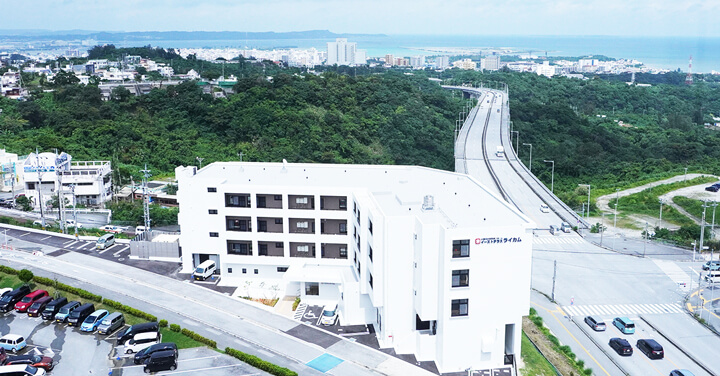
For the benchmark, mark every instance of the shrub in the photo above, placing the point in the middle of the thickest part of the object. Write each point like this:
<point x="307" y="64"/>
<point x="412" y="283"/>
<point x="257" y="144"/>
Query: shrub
<point x="44" y="281"/>
<point x="533" y="312"/>
<point x="163" y="323"/>
<point x="129" y="310"/>
<point x="7" y="270"/>
<point x="580" y="363"/>
<point x="25" y="275"/>
<point x="175" y="328"/>
<point x="555" y="341"/>
<point x="297" y="302"/>
<point x="190" y="334"/>
<point x="256" y="362"/>
<point x="587" y="371"/>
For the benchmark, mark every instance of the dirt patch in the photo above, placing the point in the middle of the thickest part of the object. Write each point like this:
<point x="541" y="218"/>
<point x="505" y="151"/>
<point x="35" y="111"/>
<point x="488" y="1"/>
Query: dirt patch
<point x="560" y="361"/>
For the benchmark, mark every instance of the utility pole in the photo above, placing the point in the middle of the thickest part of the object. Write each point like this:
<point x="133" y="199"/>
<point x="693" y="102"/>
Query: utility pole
<point x="525" y="144"/>
<point x="72" y="189"/>
<point x="617" y="200"/>
<point x="146" y="197"/>
<point x="554" y="277"/>
<point x="702" y="226"/>
<point x="661" y="204"/>
<point x="588" y="203"/>
<point x="552" y="176"/>
<point x="646" y="238"/>
<point x="40" y="199"/>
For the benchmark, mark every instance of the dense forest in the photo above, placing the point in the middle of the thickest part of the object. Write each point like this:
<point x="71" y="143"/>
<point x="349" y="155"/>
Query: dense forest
<point x="374" y="115"/>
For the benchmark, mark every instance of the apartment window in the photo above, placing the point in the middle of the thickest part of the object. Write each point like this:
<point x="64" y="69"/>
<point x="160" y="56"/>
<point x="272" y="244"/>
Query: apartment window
<point x="371" y="281"/>
<point x="212" y="211"/>
<point x="229" y="270"/>
<point x="303" y="248"/>
<point x="256" y="271"/>
<point x="262" y="226"/>
<point x="370" y="225"/>
<point x="279" y="245"/>
<point x="370" y="252"/>
<point x="343" y="204"/>
<point x="461" y="248"/>
<point x="461" y="278"/>
<point x="278" y="221"/>
<point x="304" y="224"/>
<point x="301" y="200"/>
<point x="244" y="249"/>
<point x="261" y="202"/>
<point x="312" y="288"/>
<point x="343" y="252"/>
<point x="212" y="189"/>
<point x="237" y="200"/>
<point x="277" y="197"/>
<point x="262" y="249"/>
<point x="244" y="271"/>
<point x="214" y="234"/>
<point x="459" y="307"/>
<point x="343" y="228"/>
<point x="282" y="269"/>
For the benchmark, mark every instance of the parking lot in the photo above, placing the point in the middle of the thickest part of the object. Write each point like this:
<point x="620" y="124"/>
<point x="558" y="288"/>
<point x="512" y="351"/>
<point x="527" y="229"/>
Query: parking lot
<point x="638" y="363"/>
<point x="78" y="353"/>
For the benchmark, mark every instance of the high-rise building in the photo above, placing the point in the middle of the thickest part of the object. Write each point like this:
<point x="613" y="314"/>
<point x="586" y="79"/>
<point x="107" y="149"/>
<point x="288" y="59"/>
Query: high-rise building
<point x="419" y="254"/>
<point x="342" y="52"/>
<point x="491" y="62"/>
<point x="389" y="59"/>
<point x="442" y="62"/>
<point x="417" y="61"/>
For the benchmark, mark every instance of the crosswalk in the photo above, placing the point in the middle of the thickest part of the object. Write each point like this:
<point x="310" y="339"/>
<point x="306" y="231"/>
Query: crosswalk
<point x="622" y="309"/>
<point x="558" y="240"/>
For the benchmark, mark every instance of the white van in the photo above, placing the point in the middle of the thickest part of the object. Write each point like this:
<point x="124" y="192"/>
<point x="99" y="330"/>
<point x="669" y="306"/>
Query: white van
<point x="139" y="230"/>
<point x="141" y="341"/>
<point x="204" y="270"/>
<point x="105" y="241"/>
<point x="713" y="276"/>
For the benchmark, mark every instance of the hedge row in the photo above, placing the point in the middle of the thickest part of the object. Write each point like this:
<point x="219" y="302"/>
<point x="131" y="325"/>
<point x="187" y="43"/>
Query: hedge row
<point x="7" y="270"/>
<point x="563" y="349"/>
<point x="129" y="310"/>
<point x="67" y="288"/>
<point x="259" y="363"/>
<point x="199" y="338"/>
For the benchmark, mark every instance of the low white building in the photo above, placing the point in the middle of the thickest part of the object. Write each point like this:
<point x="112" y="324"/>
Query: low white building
<point x="545" y="69"/>
<point x="425" y="256"/>
<point x="12" y="172"/>
<point x="44" y="173"/>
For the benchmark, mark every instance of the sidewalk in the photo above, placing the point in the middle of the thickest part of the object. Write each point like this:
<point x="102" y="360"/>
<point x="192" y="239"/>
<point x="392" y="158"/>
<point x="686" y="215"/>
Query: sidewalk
<point x="221" y="315"/>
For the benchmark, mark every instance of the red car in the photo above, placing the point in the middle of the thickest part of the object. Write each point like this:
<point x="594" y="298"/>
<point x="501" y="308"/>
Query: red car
<point x="39" y="361"/>
<point x="29" y="299"/>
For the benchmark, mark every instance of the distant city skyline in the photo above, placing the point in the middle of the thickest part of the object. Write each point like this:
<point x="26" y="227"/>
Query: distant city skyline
<point x="693" y="18"/>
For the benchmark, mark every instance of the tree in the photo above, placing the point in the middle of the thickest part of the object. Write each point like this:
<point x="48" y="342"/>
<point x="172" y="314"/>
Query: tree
<point x="25" y="275"/>
<point x="63" y="78"/>
<point x="24" y="203"/>
<point x="120" y="94"/>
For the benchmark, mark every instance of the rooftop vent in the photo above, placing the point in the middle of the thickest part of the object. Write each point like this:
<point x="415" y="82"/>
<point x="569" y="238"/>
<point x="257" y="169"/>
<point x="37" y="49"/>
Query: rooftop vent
<point x="428" y="203"/>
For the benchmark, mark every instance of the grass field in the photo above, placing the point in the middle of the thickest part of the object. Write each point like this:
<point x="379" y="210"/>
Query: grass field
<point x="693" y="207"/>
<point x="535" y="363"/>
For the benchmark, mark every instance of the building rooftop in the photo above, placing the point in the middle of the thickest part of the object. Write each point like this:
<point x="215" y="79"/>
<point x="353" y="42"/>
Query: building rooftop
<point x="459" y="200"/>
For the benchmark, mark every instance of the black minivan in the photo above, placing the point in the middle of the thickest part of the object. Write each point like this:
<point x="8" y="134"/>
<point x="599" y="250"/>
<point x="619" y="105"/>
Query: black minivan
<point x="145" y="353"/>
<point x="161" y="361"/>
<point x="7" y="302"/>
<point x="78" y="315"/>
<point x="53" y="308"/>
<point x="130" y="332"/>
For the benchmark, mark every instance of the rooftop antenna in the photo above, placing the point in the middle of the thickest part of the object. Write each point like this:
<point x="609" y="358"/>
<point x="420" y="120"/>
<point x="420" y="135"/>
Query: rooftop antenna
<point x="689" y="78"/>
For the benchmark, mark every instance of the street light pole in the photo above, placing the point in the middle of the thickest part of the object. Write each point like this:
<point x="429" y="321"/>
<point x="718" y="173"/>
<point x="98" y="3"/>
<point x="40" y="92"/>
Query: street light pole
<point x="526" y="144"/>
<point x="661" y="204"/>
<point x="552" y="176"/>
<point x="199" y="161"/>
<point x="617" y="200"/>
<point x="588" y="203"/>
<point x="72" y="189"/>
<point x="646" y="237"/>
<point x="702" y="226"/>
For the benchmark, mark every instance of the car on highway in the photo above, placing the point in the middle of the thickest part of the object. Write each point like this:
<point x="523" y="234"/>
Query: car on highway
<point x="36" y="308"/>
<point x="29" y="299"/>
<point x="596" y="323"/>
<point x="565" y="227"/>
<point x="544" y="208"/>
<point x="13" y="342"/>
<point x="111" y="228"/>
<point x="624" y="324"/>
<point x="91" y="322"/>
<point x="71" y="223"/>
<point x="681" y="372"/>
<point x="651" y="348"/>
<point x="555" y="230"/>
<point x="8" y="300"/>
<point x="711" y="265"/>
<point x="39" y="361"/>
<point x="621" y="346"/>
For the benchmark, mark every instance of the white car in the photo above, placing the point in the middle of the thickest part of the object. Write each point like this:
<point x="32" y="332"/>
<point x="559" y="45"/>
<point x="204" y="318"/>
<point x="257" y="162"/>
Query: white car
<point x="71" y="223"/>
<point x="141" y="341"/>
<point x="544" y="208"/>
<point x="111" y="228"/>
<point x="5" y="290"/>
<point x="329" y="314"/>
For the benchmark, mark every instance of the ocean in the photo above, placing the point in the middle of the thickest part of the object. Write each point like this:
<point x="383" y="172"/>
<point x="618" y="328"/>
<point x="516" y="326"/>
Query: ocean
<point x="658" y="52"/>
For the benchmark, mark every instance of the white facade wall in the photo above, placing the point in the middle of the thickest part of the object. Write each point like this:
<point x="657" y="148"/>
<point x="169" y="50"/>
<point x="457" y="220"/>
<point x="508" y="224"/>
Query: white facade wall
<point x="412" y="262"/>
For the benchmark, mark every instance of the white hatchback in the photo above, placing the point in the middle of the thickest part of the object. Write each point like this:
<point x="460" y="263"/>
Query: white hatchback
<point x="329" y="314"/>
<point x="141" y="341"/>
<point x="544" y="208"/>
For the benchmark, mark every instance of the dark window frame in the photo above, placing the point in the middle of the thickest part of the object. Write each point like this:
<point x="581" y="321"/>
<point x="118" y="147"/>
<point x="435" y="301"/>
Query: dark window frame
<point x="457" y="305"/>
<point x="461" y="248"/>
<point x="212" y="211"/>
<point x="463" y="278"/>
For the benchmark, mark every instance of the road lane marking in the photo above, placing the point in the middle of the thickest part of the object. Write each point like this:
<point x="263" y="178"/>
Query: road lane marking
<point x="27" y="233"/>
<point x="109" y="248"/>
<point x="121" y="251"/>
<point x="624" y="309"/>
<point x="45" y="238"/>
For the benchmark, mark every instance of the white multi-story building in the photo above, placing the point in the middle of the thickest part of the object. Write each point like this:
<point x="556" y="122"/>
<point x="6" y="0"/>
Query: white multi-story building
<point x="46" y="172"/>
<point x="442" y="62"/>
<point x="11" y="170"/>
<point x="425" y="256"/>
<point x="342" y="52"/>
<point x="417" y="61"/>
<point x="465" y="64"/>
<point x="545" y="69"/>
<point x="491" y="63"/>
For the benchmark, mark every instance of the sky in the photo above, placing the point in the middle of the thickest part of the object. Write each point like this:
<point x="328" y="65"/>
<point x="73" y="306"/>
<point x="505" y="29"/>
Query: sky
<point x="450" y="17"/>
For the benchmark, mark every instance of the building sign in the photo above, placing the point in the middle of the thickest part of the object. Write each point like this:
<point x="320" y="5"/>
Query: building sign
<point x="39" y="168"/>
<point x="497" y="240"/>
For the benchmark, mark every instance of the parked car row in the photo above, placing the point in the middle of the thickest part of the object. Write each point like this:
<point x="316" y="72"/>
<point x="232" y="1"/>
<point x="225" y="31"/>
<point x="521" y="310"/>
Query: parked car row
<point x="143" y="340"/>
